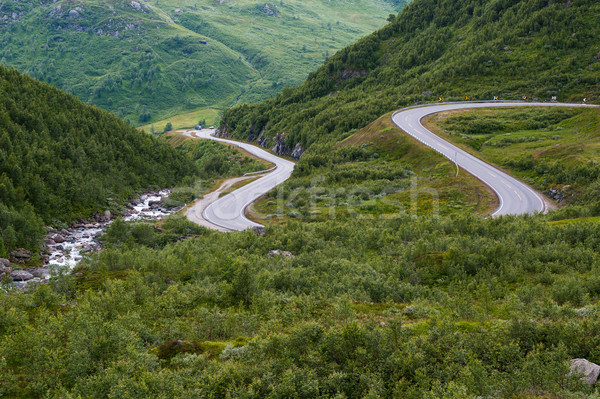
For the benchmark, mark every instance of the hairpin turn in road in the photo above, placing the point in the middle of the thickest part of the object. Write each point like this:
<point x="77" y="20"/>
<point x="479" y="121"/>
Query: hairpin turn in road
<point x="515" y="197"/>
<point x="228" y="212"/>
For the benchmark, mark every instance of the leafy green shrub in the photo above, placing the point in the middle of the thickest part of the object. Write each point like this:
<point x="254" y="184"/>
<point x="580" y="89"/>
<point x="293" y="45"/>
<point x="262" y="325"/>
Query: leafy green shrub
<point x="568" y="291"/>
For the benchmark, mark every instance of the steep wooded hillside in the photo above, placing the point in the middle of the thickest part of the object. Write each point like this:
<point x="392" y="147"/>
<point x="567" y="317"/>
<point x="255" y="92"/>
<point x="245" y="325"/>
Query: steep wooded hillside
<point x="61" y="159"/>
<point x="438" y="48"/>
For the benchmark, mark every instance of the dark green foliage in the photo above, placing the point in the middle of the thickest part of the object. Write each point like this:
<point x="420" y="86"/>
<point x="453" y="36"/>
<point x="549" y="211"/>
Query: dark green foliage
<point x="438" y="48"/>
<point x="403" y="308"/>
<point x="144" y="234"/>
<point x="61" y="159"/>
<point x="216" y="160"/>
<point x="19" y="228"/>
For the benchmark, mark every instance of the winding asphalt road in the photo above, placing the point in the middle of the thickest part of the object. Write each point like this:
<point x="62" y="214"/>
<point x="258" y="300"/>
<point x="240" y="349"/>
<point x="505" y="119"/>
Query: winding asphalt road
<point x="228" y="211"/>
<point x="515" y="197"/>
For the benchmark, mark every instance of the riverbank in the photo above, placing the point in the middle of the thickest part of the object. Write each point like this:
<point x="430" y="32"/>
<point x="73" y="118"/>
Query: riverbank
<point x="64" y="249"/>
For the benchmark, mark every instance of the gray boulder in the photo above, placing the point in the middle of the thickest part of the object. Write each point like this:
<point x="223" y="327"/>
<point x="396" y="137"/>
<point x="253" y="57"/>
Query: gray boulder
<point x="259" y="231"/>
<point x="279" y="252"/>
<point x="58" y="238"/>
<point x="589" y="370"/>
<point x="4" y="268"/>
<point x="271" y="10"/>
<point x="21" y="275"/>
<point x="104" y="217"/>
<point x="40" y="272"/>
<point x="20" y="255"/>
<point x="298" y="151"/>
<point x="280" y="147"/>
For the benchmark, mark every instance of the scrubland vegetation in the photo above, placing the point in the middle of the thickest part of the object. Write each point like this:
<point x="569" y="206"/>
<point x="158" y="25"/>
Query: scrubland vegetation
<point x="380" y="302"/>
<point x="395" y="284"/>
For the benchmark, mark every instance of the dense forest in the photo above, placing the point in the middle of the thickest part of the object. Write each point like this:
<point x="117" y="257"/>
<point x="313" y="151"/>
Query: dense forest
<point x="61" y="159"/>
<point x="438" y="48"/>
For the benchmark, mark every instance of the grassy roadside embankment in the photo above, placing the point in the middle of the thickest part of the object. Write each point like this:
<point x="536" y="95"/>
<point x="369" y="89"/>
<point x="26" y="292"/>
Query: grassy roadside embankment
<point x="548" y="148"/>
<point x="377" y="172"/>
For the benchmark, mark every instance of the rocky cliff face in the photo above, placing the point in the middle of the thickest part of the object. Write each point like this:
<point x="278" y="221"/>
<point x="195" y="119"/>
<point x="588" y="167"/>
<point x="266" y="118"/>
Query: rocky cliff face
<point x="280" y="147"/>
<point x="276" y="144"/>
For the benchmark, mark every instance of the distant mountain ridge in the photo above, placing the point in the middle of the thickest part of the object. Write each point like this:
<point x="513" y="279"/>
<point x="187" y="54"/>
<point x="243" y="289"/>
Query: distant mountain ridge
<point x="478" y="49"/>
<point x="146" y="60"/>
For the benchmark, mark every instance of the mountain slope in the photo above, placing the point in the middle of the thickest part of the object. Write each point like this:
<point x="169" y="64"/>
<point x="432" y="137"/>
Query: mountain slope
<point x="438" y="48"/>
<point x="149" y="60"/>
<point x="61" y="159"/>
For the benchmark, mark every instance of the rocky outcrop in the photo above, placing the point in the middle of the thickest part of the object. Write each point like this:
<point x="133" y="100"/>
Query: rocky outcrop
<point x="262" y="140"/>
<point x="271" y="10"/>
<point x="280" y="147"/>
<point x="10" y="16"/>
<point x="555" y="194"/>
<point x="559" y="194"/>
<point x="589" y="371"/>
<point x="20" y="255"/>
<point x="136" y="5"/>
<point x="223" y="132"/>
<point x="298" y="151"/>
<point x="347" y="74"/>
<point x="21" y="275"/>
<point x="112" y="24"/>
<point x="259" y="231"/>
<point x="252" y="133"/>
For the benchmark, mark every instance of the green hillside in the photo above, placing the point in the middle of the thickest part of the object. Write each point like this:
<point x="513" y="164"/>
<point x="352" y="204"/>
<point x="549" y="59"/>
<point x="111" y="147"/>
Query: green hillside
<point x="439" y="48"/>
<point x="387" y="282"/>
<point x="149" y="60"/>
<point x="555" y="150"/>
<point x="61" y="159"/>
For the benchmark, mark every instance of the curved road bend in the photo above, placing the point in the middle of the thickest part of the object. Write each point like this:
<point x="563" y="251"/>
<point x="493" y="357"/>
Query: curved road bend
<point x="228" y="211"/>
<point x="515" y="197"/>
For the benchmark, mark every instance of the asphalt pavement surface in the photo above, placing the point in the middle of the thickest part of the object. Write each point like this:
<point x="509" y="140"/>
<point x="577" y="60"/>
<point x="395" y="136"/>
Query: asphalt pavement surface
<point x="515" y="197"/>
